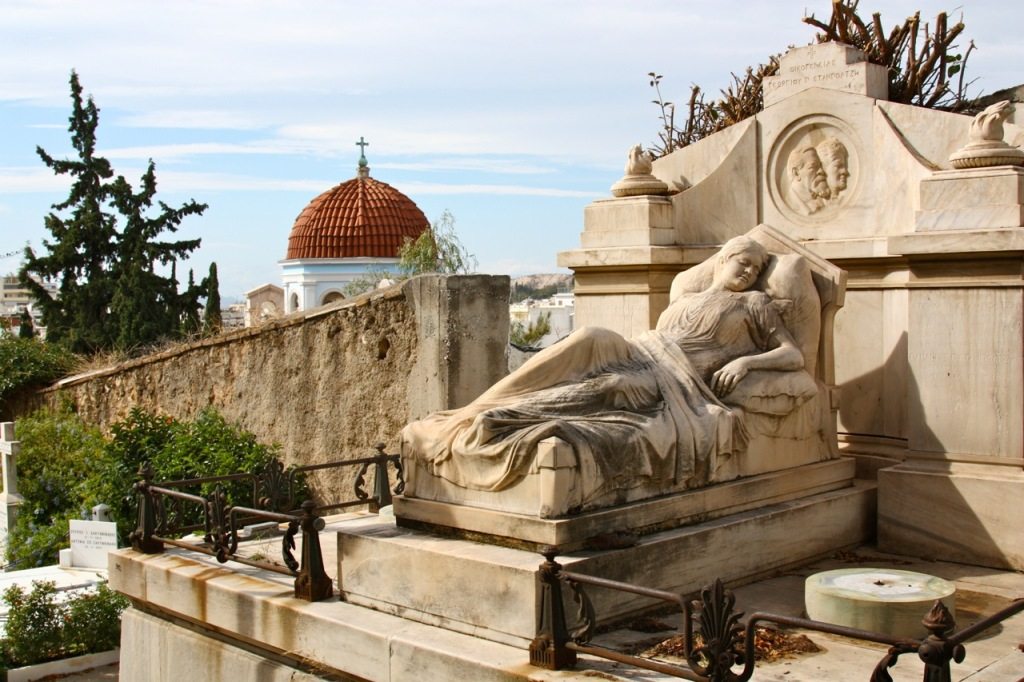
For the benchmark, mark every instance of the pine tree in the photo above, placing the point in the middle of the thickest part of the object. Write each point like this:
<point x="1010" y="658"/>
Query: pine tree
<point x="106" y="250"/>
<point x="211" y="316"/>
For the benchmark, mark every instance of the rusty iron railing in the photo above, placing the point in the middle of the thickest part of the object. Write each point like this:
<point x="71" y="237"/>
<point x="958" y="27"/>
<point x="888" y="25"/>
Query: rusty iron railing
<point x="725" y="644"/>
<point x="164" y="513"/>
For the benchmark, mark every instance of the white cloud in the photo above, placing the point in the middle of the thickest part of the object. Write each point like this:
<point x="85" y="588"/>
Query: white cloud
<point x="423" y="188"/>
<point x="177" y="152"/>
<point x="136" y="52"/>
<point x="16" y="180"/>
<point x="482" y="165"/>
<point x="197" y="182"/>
<point x="204" y="119"/>
<point x="186" y="182"/>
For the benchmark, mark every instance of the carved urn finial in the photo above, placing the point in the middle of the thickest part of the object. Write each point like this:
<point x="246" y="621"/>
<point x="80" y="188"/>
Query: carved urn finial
<point x="638" y="179"/>
<point x="985" y="145"/>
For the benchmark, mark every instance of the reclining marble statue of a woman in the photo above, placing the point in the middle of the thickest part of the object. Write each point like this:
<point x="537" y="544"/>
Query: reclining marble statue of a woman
<point x="652" y="408"/>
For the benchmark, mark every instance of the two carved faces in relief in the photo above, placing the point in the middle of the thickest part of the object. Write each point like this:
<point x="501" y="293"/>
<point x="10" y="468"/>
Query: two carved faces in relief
<point x="817" y="174"/>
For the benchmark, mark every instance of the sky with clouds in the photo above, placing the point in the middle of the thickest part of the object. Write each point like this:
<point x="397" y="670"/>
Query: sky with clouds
<point x="513" y="115"/>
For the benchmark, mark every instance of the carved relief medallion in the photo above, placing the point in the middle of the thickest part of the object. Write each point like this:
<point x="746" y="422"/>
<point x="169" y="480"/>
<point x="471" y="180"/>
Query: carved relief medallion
<point x="813" y="168"/>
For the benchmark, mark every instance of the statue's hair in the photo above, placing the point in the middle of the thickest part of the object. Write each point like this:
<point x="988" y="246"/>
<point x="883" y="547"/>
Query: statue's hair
<point x="743" y="244"/>
<point x="832" y="146"/>
<point x="796" y="157"/>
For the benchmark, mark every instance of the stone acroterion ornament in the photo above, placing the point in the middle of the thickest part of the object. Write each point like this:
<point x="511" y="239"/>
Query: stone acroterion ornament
<point x="639" y="180"/>
<point x="986" y="146"/>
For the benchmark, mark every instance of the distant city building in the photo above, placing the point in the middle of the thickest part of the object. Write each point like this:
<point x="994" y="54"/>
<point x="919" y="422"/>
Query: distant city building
<point x="560" y="309"/>
<point x="263" y="303"/>
<point x="14" y="298"/>
<point x="234" y="316"/>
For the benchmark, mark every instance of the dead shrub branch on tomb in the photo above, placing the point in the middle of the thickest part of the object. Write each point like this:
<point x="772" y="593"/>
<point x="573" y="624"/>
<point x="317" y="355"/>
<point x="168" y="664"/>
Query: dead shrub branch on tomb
<point x="925" y="68"/>
<point x="740" y="100"/>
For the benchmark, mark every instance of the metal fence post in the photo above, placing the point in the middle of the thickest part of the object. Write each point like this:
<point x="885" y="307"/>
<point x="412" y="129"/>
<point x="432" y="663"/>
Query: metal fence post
<point x="548" y="650"/>
<point x="142" y="537"/>
<point x="935" y="650"/>
<point x="381" y="480"/>
<point x="312" y="583"/>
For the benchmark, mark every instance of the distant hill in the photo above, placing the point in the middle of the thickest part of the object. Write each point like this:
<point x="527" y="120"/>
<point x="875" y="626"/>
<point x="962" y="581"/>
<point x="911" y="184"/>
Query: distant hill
<point x="540" y="286"/>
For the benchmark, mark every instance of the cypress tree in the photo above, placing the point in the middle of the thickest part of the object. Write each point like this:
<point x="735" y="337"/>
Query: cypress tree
<point x="25" y="329"/>
<point x="105" y="251"/>
<point x="146" y="304"/>
<point x="211" y="316"/>
<point x="83" y="246"/>
<point x="189" y="307"/>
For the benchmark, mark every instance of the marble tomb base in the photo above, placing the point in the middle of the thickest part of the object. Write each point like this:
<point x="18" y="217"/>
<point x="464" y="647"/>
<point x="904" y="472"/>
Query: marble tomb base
<point x="579" y="531"/>
<point x="487" y="590"/>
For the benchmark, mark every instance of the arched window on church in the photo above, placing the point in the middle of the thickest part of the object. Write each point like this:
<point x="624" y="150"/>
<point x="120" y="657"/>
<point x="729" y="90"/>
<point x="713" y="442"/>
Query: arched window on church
<point x="293" y="303"/>
<point x="331" y="297"/>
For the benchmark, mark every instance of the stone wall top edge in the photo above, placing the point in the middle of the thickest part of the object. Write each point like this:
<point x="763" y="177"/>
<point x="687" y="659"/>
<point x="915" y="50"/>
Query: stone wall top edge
<point x="286" y="322"/>
<point x="293" y="320"/>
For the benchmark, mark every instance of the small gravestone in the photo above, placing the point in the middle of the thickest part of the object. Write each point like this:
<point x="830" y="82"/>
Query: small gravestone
<point x="90" y="542"/>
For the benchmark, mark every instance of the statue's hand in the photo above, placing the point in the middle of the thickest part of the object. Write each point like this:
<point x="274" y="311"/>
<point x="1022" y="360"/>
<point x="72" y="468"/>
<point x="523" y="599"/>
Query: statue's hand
<point x="726" y="379"/>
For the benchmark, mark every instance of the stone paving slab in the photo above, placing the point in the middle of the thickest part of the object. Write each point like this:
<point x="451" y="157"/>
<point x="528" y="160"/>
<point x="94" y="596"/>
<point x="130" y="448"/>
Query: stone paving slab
<point x="993" y="656"/>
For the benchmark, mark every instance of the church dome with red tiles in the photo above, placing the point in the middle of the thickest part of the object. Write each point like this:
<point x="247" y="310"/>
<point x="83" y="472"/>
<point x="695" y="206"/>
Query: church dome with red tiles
<point x="361" y="218"/>
<point x="347" y="238"/>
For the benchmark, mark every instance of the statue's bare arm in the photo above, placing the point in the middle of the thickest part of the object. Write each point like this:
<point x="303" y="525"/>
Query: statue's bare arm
<point x="783" y="356"/>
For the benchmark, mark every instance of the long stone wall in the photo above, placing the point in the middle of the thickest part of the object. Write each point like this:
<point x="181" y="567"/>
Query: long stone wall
<point x="323" y="384"/>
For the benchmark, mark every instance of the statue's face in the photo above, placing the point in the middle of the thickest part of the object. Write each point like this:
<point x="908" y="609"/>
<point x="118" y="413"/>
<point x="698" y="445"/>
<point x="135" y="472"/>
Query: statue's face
<point x="836" y="170"/>
<point x="739" y="271"/>
<point x="809" y="174"/>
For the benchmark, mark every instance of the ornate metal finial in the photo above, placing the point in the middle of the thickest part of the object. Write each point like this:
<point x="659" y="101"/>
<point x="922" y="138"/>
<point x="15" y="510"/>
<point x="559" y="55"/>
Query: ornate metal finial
<point x="939" y="621"/>
<point x="364" y="168"/>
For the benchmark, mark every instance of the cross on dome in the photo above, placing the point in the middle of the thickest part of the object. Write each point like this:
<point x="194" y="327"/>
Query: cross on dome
<point x="362" y="144"/>
<point x="363" y="170"/>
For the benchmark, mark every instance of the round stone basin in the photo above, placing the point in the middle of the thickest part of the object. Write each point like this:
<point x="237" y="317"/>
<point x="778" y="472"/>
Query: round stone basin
<point x="876" y="599"/>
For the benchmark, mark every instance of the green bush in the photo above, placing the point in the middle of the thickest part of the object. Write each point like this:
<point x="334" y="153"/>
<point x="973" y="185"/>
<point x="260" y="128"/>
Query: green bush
<point x="32" y="544"/>
<point x="33" y="630"/>
<point x="42" y="628"/>
<point x="176" y="450"/>
<point x="59" y="457"/>
<point x="30" y="362"/>
<point x="93" y="622"/>
<point x="59" y="453"/>
<point x="66" y="467"/>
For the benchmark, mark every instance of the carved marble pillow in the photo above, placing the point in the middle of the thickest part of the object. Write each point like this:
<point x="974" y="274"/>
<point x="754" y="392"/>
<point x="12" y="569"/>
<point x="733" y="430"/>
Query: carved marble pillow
<point x="772" y="392"/>
<point x="787" y="279"/>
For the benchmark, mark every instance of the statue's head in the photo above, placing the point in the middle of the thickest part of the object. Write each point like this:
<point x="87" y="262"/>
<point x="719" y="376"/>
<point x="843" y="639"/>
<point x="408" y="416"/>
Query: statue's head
<point x="834" y="160"/>
<point x="740" y="261"/>
<point x="806" y="174"/>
